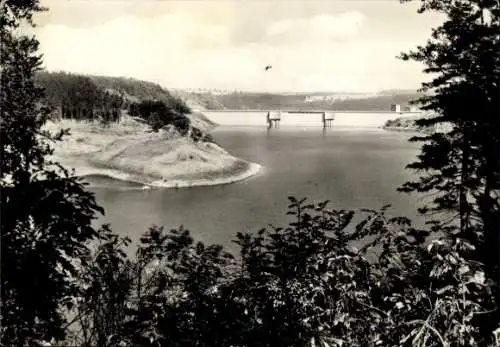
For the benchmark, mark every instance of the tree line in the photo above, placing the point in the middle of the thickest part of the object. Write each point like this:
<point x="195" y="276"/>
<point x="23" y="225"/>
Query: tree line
<point x="137" y="89"/>
<point x="81" y="97"/>
<point x="78" y="97"/>
<point x="67" y="282"/>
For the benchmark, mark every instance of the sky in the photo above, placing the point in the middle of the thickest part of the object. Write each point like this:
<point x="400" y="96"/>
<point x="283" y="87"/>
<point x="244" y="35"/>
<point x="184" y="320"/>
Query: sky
<point x="312" y="45"/>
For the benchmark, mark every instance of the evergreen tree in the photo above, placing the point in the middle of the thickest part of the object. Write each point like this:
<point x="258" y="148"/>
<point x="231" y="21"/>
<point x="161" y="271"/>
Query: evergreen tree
<point x="461" y="167"/>
<point x="46" y="213"/>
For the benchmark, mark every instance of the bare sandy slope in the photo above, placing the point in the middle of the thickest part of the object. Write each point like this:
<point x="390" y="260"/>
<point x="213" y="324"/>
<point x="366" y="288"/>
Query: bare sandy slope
<point x="128" y="151"/>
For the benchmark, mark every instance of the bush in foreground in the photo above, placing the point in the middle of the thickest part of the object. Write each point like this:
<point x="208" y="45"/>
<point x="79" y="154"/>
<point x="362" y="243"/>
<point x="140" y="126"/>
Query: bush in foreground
<point x="302" y="285"/>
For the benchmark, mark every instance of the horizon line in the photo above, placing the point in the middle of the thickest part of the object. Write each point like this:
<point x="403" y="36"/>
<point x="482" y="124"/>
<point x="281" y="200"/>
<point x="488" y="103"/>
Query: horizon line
<point x="191" y="89"/>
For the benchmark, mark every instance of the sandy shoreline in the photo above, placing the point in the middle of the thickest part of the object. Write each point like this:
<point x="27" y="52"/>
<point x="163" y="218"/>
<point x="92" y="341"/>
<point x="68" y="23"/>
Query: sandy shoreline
<point x="128" y="152"/>
<point x="253" y="170"/>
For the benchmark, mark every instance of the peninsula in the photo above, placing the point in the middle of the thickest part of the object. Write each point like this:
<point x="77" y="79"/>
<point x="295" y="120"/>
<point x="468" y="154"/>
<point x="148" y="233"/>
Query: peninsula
<point x="131" y="147"/>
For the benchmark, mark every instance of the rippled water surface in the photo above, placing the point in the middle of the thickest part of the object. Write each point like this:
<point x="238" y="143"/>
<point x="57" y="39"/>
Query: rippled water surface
<point x="352" y="168"/>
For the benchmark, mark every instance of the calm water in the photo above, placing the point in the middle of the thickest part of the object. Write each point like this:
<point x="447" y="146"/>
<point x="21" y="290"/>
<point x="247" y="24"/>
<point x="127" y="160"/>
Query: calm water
<point x="352" y="168"/>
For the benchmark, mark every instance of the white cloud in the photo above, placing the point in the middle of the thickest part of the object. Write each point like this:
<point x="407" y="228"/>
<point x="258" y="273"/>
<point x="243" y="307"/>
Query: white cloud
<point x="317" y="28"/>
<point x="183" y="49"/>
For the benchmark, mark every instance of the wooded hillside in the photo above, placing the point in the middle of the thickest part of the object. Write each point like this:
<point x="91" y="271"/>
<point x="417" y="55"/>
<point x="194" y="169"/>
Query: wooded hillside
<point x="98" y="91"/>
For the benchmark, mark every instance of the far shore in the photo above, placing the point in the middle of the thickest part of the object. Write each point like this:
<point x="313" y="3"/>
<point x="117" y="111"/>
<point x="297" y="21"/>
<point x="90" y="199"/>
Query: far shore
<point x="403" y="129"/>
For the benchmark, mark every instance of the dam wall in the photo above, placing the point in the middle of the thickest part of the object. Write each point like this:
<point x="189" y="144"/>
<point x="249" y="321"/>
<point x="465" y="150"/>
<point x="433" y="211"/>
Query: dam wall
<point x="342" y="119"/>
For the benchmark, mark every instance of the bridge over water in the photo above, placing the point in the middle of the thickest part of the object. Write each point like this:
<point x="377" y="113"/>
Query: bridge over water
<point x="305" y="118"/>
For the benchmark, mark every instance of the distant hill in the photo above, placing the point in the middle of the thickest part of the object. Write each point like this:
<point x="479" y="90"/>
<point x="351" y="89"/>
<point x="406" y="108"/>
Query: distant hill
<point x="301" y="101"/>
<point x="389" y="92"/>
<point x="376" y="103"/>
<point x="199" y="100"/>
<point x="119" y="92"/>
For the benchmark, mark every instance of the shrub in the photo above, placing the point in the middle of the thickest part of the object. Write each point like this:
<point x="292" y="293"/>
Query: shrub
<point x="300" y="285"/>
<point x="158" y="114"/>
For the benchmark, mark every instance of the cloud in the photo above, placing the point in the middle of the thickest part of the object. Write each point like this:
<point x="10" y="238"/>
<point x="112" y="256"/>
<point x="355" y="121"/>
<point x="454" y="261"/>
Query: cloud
<point x="183" y="49"/>
<point x="316" y="28"/>
<point x="129" y="44"/>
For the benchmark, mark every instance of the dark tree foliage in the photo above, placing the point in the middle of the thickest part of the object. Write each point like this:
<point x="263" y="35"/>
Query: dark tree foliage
<point x="461" y="167"/>
<point x="106" y="285"/>
<point x="78" y="97"/>
<point x="46" y="213"/>
<point x="160" y="114"/>
<point x="142" y="90"/>
<point x="302" y="285"/>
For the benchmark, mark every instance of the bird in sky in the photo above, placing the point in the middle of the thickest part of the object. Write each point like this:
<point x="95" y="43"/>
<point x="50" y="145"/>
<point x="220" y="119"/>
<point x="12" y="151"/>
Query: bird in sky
<point x="268" y="67"/>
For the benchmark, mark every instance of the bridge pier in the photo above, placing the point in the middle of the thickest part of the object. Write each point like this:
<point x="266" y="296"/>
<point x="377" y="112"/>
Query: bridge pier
<point x="273" y="119"/>
<point x="273" y="123"/>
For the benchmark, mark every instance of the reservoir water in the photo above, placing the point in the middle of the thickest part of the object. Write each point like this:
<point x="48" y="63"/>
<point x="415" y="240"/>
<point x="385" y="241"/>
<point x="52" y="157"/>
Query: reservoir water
<point x="353" y="168"/>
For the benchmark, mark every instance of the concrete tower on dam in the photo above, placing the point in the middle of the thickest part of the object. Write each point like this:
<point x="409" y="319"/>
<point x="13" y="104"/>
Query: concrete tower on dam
<point x="273" y="119"/>
<point x="328" y="118"/>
